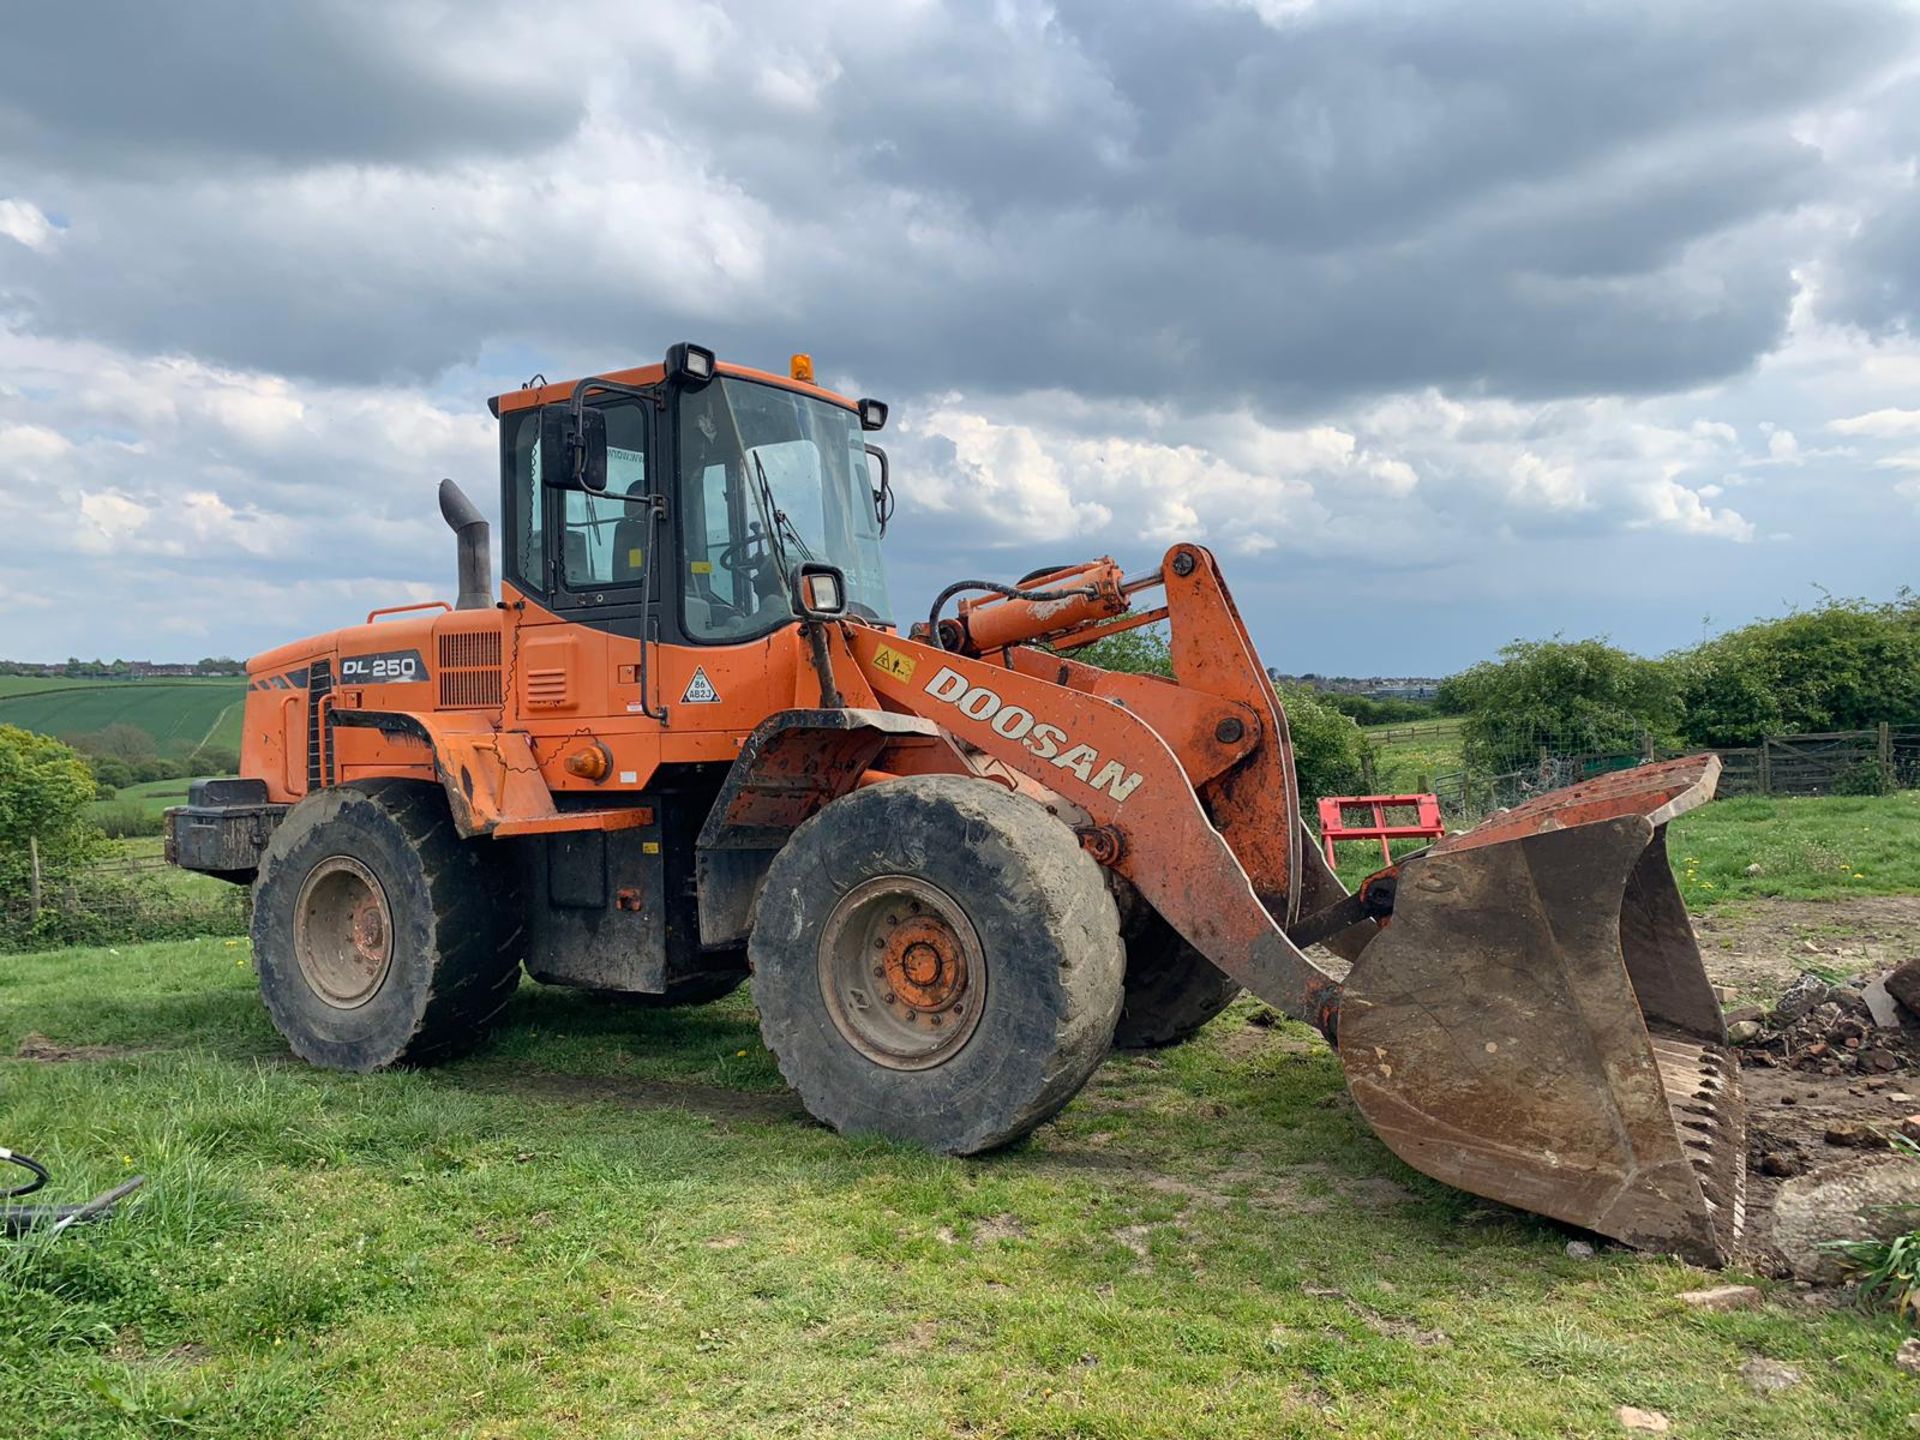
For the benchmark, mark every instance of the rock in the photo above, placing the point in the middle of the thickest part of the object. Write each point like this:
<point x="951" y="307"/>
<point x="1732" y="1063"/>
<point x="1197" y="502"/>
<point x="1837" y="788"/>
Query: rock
<point x="1904" y="985"/>
<point x="1910" y="1127"/>
<point x="1880" y="1001"/>
<point x="1875" y="1058"/>
<point x="1724" y="995"/>
<point x="1646" y="1422"/>
<point x="1754" y="869"/>
<point x="1854" y="1135"/>
<point x="1744" y="1012"/>
<point x="1782" y="1164"/>
<point x="1907" y="1357"/>
<point x="1873" y="1197"/>
<point x="1807" y="991"/>
<point x="1741" y="1031"/>
<point x="1898" y="1097"/>
<point x="1764" y="1376"/>
<point x="1851" y="1000"/>
<point x="1722" y="1297"/>
<point x="1579" y="1250"/>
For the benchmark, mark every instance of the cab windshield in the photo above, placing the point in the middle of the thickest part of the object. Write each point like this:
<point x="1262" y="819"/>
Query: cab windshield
<point x="769" y="478"/>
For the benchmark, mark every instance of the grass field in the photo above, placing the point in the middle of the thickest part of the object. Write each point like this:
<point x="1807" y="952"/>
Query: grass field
<point x="616" y="1223"/>
<point x="155" y="797"/>
<point x="194" y="711"/>
<point x="1405" y="762"/>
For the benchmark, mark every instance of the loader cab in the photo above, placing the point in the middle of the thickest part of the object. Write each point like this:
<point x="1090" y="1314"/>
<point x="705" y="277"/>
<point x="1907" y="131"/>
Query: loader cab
<point x="684" y="511"/>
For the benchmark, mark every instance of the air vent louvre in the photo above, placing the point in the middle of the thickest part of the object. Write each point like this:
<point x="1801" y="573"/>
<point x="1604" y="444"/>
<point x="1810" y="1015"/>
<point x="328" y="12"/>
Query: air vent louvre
<point x="547" y="688"/>
<point x="469" y="669"/>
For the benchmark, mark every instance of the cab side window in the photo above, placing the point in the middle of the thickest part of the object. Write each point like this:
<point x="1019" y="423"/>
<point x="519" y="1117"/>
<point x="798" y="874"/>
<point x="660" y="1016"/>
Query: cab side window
<point x="520" y="454"/>
<point x="604" y="537"/>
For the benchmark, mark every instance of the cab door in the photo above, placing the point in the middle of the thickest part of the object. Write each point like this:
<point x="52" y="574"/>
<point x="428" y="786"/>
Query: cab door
<point x="587" y="566"/>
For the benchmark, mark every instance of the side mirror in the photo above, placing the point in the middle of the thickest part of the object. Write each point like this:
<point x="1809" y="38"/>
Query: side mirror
<point x="573" y="448"/>
<point x="883" y="492"/>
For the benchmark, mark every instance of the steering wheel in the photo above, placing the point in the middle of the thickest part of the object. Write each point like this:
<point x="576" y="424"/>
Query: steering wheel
<point x="738" y="558"/>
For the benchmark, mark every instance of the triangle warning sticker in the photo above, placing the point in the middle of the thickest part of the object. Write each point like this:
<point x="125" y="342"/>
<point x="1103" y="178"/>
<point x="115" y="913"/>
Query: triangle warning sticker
<point x="700" y="690"/>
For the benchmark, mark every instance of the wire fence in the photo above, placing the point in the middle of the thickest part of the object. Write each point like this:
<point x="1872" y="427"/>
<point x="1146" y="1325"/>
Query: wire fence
<point x="1849" y="762"/>
<point x="121" y="899"/>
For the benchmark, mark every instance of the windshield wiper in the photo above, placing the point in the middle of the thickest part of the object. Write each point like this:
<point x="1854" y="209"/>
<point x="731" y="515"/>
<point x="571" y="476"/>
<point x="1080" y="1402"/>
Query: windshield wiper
<point x="777" y="520"/>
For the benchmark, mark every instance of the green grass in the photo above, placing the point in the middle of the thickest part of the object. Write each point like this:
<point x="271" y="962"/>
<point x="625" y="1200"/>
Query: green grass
<point x="1818" y="848"/>
<point x="155" y="797"/>
<point x="615" y="1223"/>
<point x="1409" y="764"/>
<point x="195" y="711"/>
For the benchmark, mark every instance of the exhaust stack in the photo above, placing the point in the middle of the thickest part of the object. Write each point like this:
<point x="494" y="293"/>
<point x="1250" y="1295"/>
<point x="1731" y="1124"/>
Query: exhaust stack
<point x="474" y="538"/>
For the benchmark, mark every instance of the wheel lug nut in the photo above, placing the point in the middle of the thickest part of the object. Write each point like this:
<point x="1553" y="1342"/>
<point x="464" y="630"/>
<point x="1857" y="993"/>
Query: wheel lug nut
<point x="933" y="1020"/>
<point x="879" y="972"/>
<point x="887" y="998"/>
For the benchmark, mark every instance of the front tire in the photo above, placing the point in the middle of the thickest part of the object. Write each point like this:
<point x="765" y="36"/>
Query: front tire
<point x="937" y="961"/>
<point x="1172" y="989"/>
<point x="381" y="936"/>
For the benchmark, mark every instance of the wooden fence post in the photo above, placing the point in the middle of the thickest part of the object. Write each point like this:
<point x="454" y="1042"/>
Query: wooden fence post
<point x="1766" y="765"/>
<point x="1886" y="755"/>
<point x="33" y="879"/>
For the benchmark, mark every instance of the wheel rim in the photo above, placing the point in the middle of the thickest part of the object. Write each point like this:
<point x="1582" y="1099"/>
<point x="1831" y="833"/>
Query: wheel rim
<point x="902" y="972"/>
<point x="343" y="932"/>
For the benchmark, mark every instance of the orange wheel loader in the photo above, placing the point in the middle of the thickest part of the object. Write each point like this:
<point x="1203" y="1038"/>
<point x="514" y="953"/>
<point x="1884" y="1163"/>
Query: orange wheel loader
<point x="686" y="744"/>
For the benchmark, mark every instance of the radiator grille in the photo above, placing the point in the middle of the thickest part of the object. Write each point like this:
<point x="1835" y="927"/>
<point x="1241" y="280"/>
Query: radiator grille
<point x="469" y="669"/>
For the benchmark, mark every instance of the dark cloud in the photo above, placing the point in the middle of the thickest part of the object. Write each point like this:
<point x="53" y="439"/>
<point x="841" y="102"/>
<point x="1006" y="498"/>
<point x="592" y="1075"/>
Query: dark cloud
<point x="125" y="87"/>
<point x="1126" y="200"/>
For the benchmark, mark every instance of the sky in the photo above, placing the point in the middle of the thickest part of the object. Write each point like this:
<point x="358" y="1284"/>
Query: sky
<point x="1442" y="324"/>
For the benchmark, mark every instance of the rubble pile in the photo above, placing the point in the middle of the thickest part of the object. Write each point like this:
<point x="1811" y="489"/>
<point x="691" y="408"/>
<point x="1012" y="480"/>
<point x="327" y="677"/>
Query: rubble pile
<point x="1867" y="1025"/>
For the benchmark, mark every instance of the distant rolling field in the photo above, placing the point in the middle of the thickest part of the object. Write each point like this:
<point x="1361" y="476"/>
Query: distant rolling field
<point x="196" y="711"/>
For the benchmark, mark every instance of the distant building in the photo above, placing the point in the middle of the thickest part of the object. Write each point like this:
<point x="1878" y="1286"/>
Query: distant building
<point x="1374" y="687"/>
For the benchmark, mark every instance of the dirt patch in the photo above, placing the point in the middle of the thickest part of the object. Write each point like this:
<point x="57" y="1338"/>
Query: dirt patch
<point x="999" y="1227"/>
<point x="1757" y="947"/>
<point x="35" y="1046"/>
<point x="1796" y="1099"/>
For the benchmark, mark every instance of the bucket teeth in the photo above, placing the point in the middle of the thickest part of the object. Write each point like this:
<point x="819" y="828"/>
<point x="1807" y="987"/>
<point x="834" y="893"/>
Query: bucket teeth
<point x="1702" y="1092"/>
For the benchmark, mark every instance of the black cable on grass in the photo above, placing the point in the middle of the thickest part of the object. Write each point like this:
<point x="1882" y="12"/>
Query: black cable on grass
<point x="19" y="1219"/>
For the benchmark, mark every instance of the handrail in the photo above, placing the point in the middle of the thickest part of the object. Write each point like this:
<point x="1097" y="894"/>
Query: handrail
<point x="373" y="615"/>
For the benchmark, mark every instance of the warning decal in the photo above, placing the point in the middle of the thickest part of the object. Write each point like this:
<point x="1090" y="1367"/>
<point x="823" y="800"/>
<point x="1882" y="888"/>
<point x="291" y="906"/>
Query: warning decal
<point x="893" y="663"/>
<point x="700" y="690"/>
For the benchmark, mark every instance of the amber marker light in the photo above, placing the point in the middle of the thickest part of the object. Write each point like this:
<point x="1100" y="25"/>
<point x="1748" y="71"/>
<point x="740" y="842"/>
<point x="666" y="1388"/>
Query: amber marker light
<point x="593" y="762"/>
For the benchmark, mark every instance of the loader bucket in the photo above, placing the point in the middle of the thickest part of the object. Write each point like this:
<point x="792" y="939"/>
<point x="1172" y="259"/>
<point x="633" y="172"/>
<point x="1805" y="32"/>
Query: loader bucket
<point x="1534" y="1024"/>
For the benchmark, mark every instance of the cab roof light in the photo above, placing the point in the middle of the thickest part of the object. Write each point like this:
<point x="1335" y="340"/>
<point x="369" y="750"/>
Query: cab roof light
<point x="801" y="368"/>
<point x="691" y="363"/>
<point x="873" y="414"/>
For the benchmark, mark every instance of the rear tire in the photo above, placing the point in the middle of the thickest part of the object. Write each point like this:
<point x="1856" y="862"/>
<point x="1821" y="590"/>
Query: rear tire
<point x="1172" y="989"/>
<point x="381" y="936"/>
<point x="937" y="961"/>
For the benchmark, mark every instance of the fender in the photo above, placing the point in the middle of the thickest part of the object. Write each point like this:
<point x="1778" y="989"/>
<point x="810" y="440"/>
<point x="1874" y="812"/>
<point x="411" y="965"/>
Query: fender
<point x="492" y="777"/>
<point x="792" y="764"/>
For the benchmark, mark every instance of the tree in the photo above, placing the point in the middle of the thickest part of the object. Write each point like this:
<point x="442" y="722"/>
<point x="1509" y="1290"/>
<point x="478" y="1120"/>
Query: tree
<point x="1329" y="749"/>
<point x="1846" y="665"/>
<point x="1568" y="696"/>
<point x="120" y="741"/>
<point x="45" y="789"/>
<point x="1144" y="651"/>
